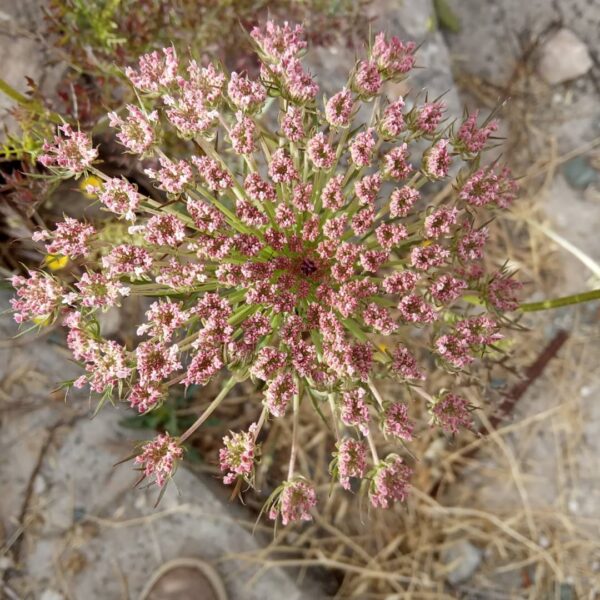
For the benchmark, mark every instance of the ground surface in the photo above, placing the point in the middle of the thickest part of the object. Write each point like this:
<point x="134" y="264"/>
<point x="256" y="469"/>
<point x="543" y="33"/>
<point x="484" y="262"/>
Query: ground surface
<point x="538" y="474"/>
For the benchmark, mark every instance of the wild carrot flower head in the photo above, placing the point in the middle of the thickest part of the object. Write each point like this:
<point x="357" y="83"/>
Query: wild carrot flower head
<point x="238" y="454"/>
<point x="451" y="412"/>
<point x="351" y="460"/>
<point x="389" y="482"/>
<point x="304" y="254"/>
<point x="158" y="458"/>
<point x="294" y="502"/>
<point x="70" y="154"/>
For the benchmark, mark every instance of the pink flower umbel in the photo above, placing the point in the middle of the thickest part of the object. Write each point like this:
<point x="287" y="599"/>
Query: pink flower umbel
<point x="137" y="131"/>
<point x="472" y="139"/>
<point x="397" y="423"/>
<point x="172" y="177"/>
<point x="155" y="71"/>
<point x="292" y="124"/>
<point x="338" y="109"/>
<point x="106" y="363"/>
<point x="396" y="163"/>
<point x="486" y="186"/>
<point x="289" y="240"/>
<point x="394" y="58"/>
<point x="355" y="411"/>
<point x="393" y="121"/>
<point x="71" y="152"/>
<point x="437" y="160"/>
<point x="451" y="412"/>
<point x="428" y="117"/>
<point x="238" y="455"/>
<point x="243" y="134"/>
<point x="158" y="459"/>
<point x="119" y="196"/>
<point x="38" y="297"/>
<point x="145" y="397"/>
<point x="246" y="94"/>
<point x="70" y="238"/>
<point x="351" y="460"/>
<point x="320" y="151"/>
<point x="389" y="482"/>
<point x="367" y="80"/>
<point x="294" y="502"/>
<point x="361" y="149"/>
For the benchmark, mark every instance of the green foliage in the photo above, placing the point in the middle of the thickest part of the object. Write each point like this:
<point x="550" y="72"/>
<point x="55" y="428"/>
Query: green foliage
<point x="97" y="33"/>
<point x="167" y="418"/>
<point x="446" y="17"/>
<point x="36" y="123"/>
<point x="163" y="418"/>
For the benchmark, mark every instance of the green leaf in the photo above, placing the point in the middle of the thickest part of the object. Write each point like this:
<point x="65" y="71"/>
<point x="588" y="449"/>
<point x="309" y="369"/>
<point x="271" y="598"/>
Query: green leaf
<point x="446" y="17"/>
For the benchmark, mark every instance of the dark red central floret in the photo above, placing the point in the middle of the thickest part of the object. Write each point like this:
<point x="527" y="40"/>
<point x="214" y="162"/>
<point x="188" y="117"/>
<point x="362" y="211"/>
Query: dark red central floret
<point x="308" y="267"/>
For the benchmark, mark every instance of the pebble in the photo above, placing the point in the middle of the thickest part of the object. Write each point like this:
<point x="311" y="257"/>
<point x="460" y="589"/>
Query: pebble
<point x="110" y="321"/>
<point x="563" y="57"/>
<point x="51" y="595"/>
<point x="39" y="485"/>
<point x="464" y="559"/>
<point x="579" y="173"/>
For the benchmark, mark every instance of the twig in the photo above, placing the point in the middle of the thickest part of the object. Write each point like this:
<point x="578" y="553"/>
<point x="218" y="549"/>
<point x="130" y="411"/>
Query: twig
<point x="532" y="373"/>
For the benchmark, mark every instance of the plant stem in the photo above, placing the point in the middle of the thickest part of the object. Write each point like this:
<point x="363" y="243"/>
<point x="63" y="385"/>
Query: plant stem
<point x="375" y="392"/>
<point x="423" y="394"/>
<point x="294" y="449"/>
<point x="373" y="449"/>
<point x="563" y="301"/>
<point x="261" y="421"/>
<point x="10" y="91"/>
<point x="211" y="408"/>
<point x="336" y="427"/>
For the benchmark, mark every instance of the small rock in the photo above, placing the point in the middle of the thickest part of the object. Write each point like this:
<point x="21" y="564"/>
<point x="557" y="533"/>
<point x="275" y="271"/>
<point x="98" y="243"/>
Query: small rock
<point x="51" y="595"/>
<point x="463" y="559"/>
<point x="563" y="57"/>
<point x="6" y="563"/>
<point x="435" y="450"/>
<point x="39" y="485"/>
<point x="579" y="173"/>
<point x="110" y="321"/>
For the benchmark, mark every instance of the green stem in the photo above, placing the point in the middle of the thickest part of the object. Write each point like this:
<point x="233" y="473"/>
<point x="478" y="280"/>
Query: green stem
<point x="10" y="91"/>
<point x="294" y="449"/>
<point x="34" y="105"/>
<point x="211" y="408"/>
<point x="563" y="301"/>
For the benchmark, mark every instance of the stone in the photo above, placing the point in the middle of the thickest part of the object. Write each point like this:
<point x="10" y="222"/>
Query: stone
<point x="579" y="173"/>
<point x="563" y="57"/>
<point x="110" y="321"/>
<point x="462" y="559"/>
<point x="50" y="594"/>
<point x="191" y="521"/>
<point x="88" y="512"/>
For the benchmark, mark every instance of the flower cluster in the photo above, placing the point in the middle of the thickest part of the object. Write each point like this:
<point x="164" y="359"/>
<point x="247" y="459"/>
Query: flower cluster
<point x="306" y="258"/>
<point x="71" y="153"/>
<point x="158" y="458"/>
<point x="294" y="502"/>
